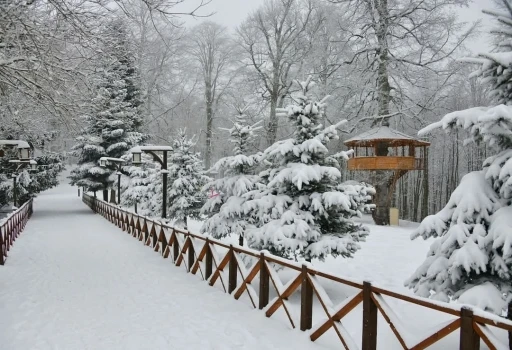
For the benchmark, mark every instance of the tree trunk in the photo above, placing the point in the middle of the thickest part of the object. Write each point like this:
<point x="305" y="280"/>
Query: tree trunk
<point x="241" y="241"/>
<point x="209" y="124"/>
<point x="272" y="123"/>
<point x="105" y="195"/>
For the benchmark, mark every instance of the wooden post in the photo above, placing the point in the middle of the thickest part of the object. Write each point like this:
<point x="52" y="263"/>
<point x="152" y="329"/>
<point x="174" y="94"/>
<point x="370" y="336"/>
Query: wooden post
<point x="306" y="301"/>
<point x="175" y="248"/>
<point x="78" y="191"/>
<point x="233" y="273"/>
<point x="369" y="319"/>
<point x="191" y="255"/>
<point x="208" y="264"/>
<point x="264" y="283"/>
<point x="469" y="339"/>
<point x="509" y="316"/>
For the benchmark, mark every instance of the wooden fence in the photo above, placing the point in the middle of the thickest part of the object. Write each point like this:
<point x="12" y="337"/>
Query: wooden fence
<point x="222" y="263"/>
<point x="12" y="227"/>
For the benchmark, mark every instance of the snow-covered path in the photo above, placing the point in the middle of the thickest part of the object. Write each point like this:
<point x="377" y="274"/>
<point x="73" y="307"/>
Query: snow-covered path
<point x="74" y="281"/>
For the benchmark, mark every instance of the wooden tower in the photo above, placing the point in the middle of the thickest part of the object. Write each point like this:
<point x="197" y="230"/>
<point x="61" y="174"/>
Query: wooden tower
<point x="390" y="154"/>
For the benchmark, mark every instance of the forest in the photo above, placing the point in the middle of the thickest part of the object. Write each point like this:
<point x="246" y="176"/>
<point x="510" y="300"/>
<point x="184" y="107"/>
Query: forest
<point x="251" y="122"/>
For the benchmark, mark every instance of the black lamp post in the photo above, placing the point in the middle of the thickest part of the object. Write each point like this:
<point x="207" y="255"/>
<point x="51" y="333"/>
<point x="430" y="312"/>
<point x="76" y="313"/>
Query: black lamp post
<point x="118" y="162"/>
<point x="137" y="160"/>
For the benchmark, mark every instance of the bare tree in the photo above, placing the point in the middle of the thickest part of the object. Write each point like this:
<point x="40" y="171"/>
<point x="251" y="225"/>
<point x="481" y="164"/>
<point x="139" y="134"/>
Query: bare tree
<point x="398" y="45"/>
<point x="272" y="38"/>
<point x="213" y="50"/>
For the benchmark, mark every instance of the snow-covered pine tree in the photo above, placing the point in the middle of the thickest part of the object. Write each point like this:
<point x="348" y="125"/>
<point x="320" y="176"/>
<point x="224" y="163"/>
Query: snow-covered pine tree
<point x="238" y="177"/>
<point x="186" y="180"/>
<point x="303" y="211"/>
<point x="112" y="127"/>
<point x="137" y="186"/>
<point x="471" y="259"/>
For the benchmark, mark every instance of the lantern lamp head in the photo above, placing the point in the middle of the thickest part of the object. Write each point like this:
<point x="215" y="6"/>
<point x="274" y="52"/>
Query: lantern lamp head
<point x="103" y="162"/>
<point x="24" y="153"/>
<point x="136" y="157"/>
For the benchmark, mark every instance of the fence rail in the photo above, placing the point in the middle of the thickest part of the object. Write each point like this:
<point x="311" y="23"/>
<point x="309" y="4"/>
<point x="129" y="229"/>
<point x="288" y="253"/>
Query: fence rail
<point x="221" y="263"/>
<point x="11" y="228"/>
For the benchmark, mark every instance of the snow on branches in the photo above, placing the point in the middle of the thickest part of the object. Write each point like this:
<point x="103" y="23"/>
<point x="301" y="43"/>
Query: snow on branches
<point x="239" y="176"/>
<point x="471" y="260"/>
<point x="186" y="180"/>
<point x="301" y="209"/>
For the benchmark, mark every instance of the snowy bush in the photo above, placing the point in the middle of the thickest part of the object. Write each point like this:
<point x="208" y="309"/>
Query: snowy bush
<point x="301" y="209"/>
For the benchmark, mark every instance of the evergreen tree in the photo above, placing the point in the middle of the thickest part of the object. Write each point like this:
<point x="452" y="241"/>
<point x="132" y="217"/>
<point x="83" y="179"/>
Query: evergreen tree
<point x="112" y="127"/>
<point x="303" y="211"/>
<point x="471" y="259"/>
<point x="186" y="181"/>
<point x="238" y="177"/>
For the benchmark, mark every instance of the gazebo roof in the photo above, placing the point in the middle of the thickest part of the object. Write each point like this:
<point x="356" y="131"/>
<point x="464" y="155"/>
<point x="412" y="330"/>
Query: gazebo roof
<point x="384" y="134"/>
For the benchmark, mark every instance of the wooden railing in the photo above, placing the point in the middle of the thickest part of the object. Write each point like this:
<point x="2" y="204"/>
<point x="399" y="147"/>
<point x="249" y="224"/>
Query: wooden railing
<point x="12" y="227"/>
<point x="226" y="266"/>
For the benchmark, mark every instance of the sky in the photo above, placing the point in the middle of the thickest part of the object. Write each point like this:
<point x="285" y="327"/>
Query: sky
<point x="232" y="12"/>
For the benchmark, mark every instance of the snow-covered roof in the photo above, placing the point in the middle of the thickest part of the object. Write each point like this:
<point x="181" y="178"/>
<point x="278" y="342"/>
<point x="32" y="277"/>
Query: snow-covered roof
<point x="139" y="149"/>
<point x="384" y="133"/>
<point x="19" y="143"/>
<point x="113" y="159"/>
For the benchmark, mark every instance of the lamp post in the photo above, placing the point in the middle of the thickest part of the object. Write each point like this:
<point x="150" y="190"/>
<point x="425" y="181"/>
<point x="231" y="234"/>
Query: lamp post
<point x="104" y="161"/>
<point x="137" y="160"/>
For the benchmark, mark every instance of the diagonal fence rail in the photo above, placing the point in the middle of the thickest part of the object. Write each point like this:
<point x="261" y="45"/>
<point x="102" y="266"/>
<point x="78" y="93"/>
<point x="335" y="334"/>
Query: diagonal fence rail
<point x="240" y="271"/>
<point x="12" y="226"/>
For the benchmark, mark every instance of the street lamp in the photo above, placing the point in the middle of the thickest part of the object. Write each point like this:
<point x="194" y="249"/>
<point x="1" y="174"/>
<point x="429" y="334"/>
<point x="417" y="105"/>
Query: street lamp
<point x="137" y="160"/>
<point x="118" y="162"/>
<point x="22" y="146"/>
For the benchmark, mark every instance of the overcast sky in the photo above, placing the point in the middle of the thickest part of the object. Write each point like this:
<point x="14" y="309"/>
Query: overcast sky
<point x="232" y="12"/>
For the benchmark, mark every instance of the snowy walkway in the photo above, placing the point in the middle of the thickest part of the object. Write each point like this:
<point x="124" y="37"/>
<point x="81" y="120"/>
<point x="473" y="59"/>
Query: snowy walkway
<point x="74" y="281"/>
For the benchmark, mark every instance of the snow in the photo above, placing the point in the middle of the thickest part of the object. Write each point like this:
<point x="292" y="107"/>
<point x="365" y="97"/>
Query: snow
<point x="75" y="281"/>
<point x="139" y="149"/>
<point x="381" y="133"/>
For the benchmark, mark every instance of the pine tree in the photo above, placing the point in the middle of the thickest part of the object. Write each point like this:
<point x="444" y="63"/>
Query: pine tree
<point x="138" y="186"/>
<point x="186" y="181"/>
<point x="303" y="211"/>
<point x="112" y="127"/>
<point x="238" y="177"/>
<point x="471" y="259"/>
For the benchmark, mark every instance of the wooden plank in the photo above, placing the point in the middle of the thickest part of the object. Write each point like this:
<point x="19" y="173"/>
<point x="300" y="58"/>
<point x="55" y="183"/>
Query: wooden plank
<point x="388" y="320"/>
<point x="416" y="301"/>
<point x="434" y="338"/>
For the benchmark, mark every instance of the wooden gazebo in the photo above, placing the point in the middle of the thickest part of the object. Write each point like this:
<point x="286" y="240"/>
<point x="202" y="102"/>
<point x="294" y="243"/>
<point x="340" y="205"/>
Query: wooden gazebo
<point x="383" y="148"/>
<point x="390" y="154"/>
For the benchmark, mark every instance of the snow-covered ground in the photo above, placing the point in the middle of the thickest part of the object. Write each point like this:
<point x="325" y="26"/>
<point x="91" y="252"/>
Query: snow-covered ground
<point x="73" y="281"/>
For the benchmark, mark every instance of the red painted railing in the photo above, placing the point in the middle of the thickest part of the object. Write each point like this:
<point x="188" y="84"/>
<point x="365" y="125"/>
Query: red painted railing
<point x="12" y="227"/>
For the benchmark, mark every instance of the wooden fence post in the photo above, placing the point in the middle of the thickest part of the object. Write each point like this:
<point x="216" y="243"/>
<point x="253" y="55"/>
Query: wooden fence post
<point x="233" y="273"/>
<point x="208" y="264"/>
<point x="509" y="316"/>
<point x="175" y="248"/>
<point x="370" y="313"/>
<point x="306" y="301"/>
<point x="469" y="339"/>
<point x="191" y="255"/>
<point x="264" y="283"/>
